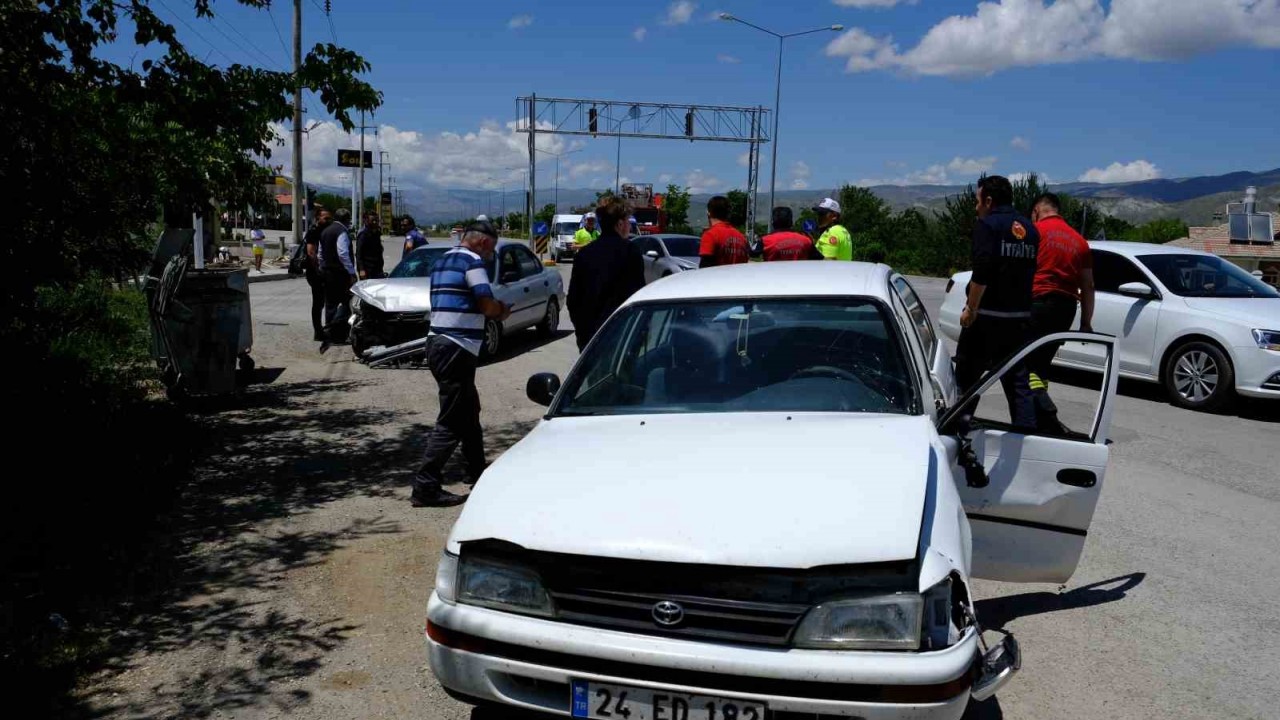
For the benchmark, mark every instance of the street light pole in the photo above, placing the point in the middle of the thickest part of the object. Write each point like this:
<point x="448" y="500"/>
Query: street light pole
<point x="777" y="96"/>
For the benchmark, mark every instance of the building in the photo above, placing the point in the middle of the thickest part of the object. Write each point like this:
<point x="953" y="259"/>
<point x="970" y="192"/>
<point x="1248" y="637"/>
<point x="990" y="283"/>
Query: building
<point x="1256" y="252"/>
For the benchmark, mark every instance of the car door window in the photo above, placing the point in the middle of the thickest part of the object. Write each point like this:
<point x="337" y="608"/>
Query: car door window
<point x="529" y="263"/>
<point x="647" y="244"/>
<point x="919" y="316"/>
<point x="1110" y="271"/>
<point x="508" y="266"/>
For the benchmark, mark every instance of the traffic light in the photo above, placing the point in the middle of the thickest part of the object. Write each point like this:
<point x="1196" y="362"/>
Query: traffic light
<point x="688" y="124"/>
<point x="592" y="124"/>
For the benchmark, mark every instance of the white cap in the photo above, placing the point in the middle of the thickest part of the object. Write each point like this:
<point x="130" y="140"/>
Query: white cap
<point x="828" y="204"/>
<point x="590" y="216"/>
<point x="482" y="218"/>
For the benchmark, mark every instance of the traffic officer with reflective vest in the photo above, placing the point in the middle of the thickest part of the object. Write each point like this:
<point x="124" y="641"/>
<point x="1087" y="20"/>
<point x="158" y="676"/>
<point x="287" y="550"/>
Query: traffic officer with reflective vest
<point x="834" y="243"/>
<point x="997" y="312"/>
<point x="587" y="232"/>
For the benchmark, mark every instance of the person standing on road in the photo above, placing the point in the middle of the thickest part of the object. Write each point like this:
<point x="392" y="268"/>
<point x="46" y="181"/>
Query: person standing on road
<point x="369" y="248"/>
<point x="1064" y="276"/>
<point x="605" y="273"/>
<point x="413" y="237"/>
<point x="337" y="266"/>
<point x="461" y="300"/>
<point x="259" y="244"/>
<point x="997" y="308"/>
<point x="786" y="244"/>
<point x="587" y="233"/>
<point x="834" y="242"/>
<point x="722" y="244"/>
<point x="315" y="279"/>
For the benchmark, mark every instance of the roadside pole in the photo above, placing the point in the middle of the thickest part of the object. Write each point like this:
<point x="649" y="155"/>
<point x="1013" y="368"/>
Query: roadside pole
<point x="299" y="189"/>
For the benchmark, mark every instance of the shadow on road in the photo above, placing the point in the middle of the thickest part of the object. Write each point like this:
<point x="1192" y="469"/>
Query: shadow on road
<point x="995" y="613"/>
<point x="1246" y="408"/>
<point x="524" y="342"/>
<point x="283" y="451"/>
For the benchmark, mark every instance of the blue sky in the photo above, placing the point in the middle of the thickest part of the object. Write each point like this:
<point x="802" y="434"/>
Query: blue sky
<point x="910" y="91"/>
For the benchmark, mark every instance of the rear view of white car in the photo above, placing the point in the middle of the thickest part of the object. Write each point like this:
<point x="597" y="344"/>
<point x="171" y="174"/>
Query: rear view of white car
<point x="667" y="254"/>
<point x="1202" y="327"/>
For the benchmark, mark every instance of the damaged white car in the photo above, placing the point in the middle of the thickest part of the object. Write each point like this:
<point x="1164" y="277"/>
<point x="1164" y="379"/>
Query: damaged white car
<point x="807" y="551"/>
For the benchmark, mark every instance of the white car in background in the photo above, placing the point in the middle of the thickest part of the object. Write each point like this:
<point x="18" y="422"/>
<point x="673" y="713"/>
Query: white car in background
<point x="667" y="254"/>
<point x="1204" y="328"/>
<point x="809" y="555"/>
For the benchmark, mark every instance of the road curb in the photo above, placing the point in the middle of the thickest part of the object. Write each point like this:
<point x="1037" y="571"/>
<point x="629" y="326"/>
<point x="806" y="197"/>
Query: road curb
<point x="272" y="277"/>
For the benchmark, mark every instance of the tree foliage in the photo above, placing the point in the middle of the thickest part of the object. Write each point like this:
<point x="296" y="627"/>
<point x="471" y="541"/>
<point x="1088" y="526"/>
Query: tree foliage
<point x="675" y="203"/>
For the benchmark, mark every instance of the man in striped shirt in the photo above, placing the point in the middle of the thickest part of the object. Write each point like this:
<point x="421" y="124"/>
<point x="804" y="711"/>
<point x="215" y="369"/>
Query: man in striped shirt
<point x="461" y="300"/>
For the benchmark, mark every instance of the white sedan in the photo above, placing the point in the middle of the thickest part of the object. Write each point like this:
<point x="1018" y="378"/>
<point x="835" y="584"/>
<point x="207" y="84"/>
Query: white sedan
<point x="666" y="254"/>
<point x="1194" y="322"/>
<point x="810" y="554"/>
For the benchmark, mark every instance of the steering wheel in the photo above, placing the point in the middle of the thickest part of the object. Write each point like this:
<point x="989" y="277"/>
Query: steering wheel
<point x="826" y="371"/>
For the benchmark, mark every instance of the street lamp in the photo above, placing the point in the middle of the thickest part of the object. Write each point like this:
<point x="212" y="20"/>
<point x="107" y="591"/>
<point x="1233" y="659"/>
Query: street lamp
<point x="557" y="156"/>
<point x="777" y="100"/>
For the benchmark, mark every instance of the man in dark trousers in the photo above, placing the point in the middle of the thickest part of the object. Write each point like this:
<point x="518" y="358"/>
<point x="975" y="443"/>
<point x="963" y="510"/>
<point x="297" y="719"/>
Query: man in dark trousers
<point x="338" y="268"/>
<point x="605" y="272"/>
<point x="369" y="248"/>
<point x="997" y="309"/>
<point x="786" y="244"/>
<point x="461" y="300"/>
<point x="315" y="280"/>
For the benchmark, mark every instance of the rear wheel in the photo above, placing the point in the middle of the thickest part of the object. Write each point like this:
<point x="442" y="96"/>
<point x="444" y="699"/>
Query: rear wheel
<point x="492" y="338"/>
<point x="551" y="321"/>
<point x="1199" y="376"/>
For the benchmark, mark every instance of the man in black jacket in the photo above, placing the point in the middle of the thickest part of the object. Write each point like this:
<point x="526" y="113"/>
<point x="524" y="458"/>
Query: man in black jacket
<point x="312" y="272"/>
<point x="369" y="249"/>
<point x="605" y="273"/>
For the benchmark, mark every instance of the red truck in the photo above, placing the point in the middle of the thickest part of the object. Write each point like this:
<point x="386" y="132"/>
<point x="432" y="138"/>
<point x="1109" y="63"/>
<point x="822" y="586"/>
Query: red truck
<point x="647" y="208"/>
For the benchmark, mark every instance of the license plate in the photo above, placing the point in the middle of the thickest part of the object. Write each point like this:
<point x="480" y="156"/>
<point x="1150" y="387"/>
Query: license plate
<point x="617" y="702"/>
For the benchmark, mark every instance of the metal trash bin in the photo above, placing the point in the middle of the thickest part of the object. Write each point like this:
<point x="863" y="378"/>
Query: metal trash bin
<point x="202" y="327"/>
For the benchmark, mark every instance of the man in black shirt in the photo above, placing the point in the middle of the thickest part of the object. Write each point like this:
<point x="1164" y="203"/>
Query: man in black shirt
<point x="314" y="279"/>
<point x="369" y="249"/>
<point x="605" y="272"/>
<point x="997" y="310"/>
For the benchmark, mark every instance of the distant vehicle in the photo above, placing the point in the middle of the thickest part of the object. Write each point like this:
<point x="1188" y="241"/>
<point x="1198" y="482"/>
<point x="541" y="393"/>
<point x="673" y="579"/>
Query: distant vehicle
<point x="648" y="215"/>
<point x="1201" y="326"/>
<point x="635" y="583"/>
<point x="397" y="309"/>
<point x="667" y="254"/>
<point x="561" y="241"/>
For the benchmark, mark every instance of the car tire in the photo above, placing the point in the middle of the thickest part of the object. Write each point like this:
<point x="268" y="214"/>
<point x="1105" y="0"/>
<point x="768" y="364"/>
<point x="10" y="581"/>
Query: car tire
<point x="551" y="320"/>
<point x="1199" y="376"/>
<point x="492" y="343"/>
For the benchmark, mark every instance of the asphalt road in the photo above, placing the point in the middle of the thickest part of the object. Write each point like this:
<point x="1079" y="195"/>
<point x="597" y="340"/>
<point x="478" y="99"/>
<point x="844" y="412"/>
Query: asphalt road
<point x="305" y="591"/>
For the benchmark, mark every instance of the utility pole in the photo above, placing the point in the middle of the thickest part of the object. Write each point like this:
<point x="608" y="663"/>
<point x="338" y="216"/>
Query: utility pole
<point x="299" y="189"/>
<point x="358" y="210"/>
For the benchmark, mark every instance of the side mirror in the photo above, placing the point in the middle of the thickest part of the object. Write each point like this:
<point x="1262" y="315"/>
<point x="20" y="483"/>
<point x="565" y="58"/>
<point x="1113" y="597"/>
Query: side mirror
<point x="542" y="388"/>
<point x="652" y="254"/>
<point x="1137" y="290"/>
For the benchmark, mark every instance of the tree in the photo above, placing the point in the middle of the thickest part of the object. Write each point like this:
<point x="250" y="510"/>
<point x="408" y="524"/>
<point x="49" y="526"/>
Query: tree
<point x="546" y="214"/>
<point x="515" y="221"/>
<point x="862" y="211"/>
<point x="738" y="200"/>
<point x="676" y="205"/>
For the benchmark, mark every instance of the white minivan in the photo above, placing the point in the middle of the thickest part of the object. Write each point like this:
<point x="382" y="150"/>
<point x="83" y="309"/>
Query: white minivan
<point x="562" y="229"/>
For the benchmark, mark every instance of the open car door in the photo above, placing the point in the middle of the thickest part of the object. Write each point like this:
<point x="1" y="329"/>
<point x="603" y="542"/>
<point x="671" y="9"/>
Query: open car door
<point x="1030" y="521"/>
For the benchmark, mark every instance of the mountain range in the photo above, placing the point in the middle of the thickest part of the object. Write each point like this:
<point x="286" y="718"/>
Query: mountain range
<point x="1194" y="200"/>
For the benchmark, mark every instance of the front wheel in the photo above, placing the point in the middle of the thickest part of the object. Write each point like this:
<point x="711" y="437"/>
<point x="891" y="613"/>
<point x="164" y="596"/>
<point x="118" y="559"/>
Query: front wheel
<point x="1199" y="376"/>
<point x="551" y="321"/>
<point x="492" y="338"/>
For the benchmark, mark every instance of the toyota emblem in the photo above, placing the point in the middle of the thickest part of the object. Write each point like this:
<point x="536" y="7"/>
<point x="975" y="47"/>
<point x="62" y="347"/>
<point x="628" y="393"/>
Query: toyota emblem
<point x="668" y="613"/>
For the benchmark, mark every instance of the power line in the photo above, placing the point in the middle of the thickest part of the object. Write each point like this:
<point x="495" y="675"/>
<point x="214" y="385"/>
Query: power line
<point x="252" y="47"/>
<point x="197" y="33"/>
<point x="327" y="9"/>
<point x="280" y="36"/>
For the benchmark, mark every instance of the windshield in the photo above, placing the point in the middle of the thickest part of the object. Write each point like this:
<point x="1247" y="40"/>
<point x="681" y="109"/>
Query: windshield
<point x="682" y="246"/>
<point x="566" y="228"/>
<point x="418" y="263"/>
<point x="1205" y="276"/>
<point x="647" y="216"/>
<point x="838" y="355"/>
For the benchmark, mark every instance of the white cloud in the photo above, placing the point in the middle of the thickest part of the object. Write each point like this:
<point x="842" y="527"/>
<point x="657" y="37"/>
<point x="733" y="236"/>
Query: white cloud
<point x="665" y="178"/>
<point x="1135" y="171"/>
<point x="680" y="12"/>
<point x="698" y="182"/>
<point x="729" y="59"/>
<point x="637" y="169"/>
<point x="959" y="170"/>
<point x="1021" y="176"/>
<point x="520" y="21"/>
<point x="480" y="158"/>
<point x="1002" y="34"/>
<point x="588" y="167"/>
<point x="744" y="160"/>
<point x="873" y="3"/>
<point x="799" y="184"/>
<point x="1020" y="143"/>
<point x="800" y="173"/>
<point x="639" y="34"/>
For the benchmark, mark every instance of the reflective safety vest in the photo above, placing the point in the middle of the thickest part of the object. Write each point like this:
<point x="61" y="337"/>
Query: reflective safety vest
<point x="584" y="236"/>
<point x="836" y="244"/>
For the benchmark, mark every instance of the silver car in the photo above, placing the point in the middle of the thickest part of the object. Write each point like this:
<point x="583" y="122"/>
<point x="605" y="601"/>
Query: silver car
<point x="667" y="254"/>
<point x="397" y="309"/>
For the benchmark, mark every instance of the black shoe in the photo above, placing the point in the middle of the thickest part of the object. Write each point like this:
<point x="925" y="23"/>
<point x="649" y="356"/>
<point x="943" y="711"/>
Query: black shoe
<point x="437" y="498"/>
<point x="319" y="337"/>
<point x="472" y="479"/>
<point x="324" y="347"/>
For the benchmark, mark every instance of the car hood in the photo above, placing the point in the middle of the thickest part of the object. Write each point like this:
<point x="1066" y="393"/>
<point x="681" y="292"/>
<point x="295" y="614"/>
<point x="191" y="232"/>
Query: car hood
<point x="740" y="489"/>
<point x="1263" y="313"/>
<point x="411" y="294"/>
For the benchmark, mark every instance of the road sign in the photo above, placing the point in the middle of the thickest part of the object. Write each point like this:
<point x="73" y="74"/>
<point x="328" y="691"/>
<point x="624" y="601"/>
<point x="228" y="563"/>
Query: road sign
<point x="384" y="203"/>
<point x="809" y="227"/>
<point x="351" y="158"/>
<point x="540" y="229"/>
